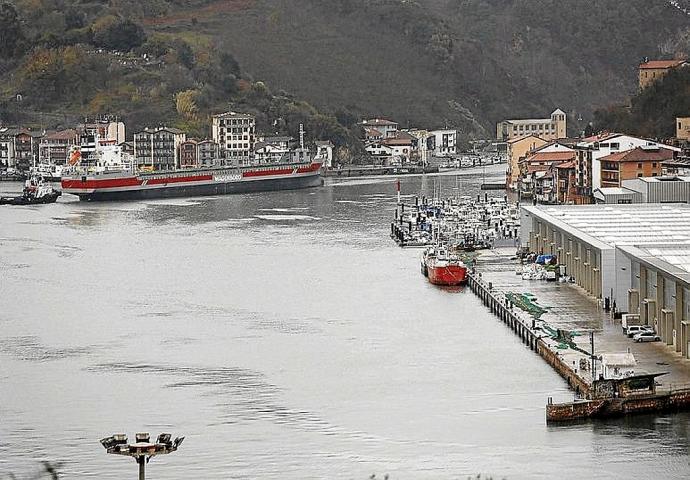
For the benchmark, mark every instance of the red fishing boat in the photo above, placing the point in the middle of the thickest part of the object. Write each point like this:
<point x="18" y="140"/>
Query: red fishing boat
<point x="443" y="268"/>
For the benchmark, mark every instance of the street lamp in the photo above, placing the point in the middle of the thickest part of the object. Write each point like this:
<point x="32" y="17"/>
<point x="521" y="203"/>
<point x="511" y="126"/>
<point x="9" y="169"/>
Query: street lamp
<point x="142" y="450"/>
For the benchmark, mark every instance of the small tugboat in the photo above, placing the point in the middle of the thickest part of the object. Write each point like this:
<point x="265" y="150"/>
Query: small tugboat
<point x="443" y="268"/>
<point x="35" y="192"/>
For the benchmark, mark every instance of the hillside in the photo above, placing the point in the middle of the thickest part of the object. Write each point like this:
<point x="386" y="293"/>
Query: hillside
<point x="651" y="113"/>
<point x="466" y="63"/>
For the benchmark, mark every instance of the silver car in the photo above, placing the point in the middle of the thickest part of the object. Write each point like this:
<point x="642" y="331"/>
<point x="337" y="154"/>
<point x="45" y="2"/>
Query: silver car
<point x="646" y="337"/>
<point x="633" y="330"/>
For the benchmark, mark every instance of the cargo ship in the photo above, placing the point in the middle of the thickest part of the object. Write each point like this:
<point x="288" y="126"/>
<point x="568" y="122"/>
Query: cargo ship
<point x="123" y="185"/>
<point x="97" y="172"/>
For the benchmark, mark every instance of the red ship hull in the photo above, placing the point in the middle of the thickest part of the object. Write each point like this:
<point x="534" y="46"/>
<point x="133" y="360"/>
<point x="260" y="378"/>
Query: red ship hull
<point x="190" y="183"/>
<point x="448" y="275"/>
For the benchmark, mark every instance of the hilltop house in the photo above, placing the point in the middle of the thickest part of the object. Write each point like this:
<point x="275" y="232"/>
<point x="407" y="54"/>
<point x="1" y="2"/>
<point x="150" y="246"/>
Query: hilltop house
<point x="652" y="70"/>
<point x="385" y="128"/>
<point x="551" y="128"/>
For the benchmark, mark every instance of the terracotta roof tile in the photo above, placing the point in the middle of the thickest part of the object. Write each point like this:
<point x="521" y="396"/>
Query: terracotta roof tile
<point x="657" y="64"/>
<point x="640" y="155"/>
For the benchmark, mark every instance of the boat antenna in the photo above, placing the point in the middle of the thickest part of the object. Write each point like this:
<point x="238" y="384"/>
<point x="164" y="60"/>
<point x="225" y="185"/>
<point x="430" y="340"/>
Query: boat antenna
<point x="301" y="136"/>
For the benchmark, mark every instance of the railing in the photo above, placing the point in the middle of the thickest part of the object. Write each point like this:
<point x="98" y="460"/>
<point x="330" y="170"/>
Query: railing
<point x="674" y="388"/>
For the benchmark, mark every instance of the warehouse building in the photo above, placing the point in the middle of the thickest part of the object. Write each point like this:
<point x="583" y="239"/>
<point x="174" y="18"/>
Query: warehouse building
<point x="666" y="189"/>
<point x="635" y="255"/>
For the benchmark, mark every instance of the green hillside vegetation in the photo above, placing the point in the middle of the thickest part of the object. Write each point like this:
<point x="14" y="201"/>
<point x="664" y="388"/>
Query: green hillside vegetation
<point x="67" y="63"/>
<point x="651" y="113"/>
<point x="425" y="63"/>
<point x="467" y="63"/>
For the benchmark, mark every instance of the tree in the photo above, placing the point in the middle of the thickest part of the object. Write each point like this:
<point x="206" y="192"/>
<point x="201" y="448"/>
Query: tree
<point x="115" y="33"/>
<point x="11" y="33"/>
<point x="185" y="54"/>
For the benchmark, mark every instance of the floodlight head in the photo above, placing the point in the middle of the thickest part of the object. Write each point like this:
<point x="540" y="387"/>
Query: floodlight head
<point x="120" y="438"/>
<point x="164" y="438"/>
<point x="178" y="441"/>
<point x="143" y="437"/>
<point x="108" y="442"/>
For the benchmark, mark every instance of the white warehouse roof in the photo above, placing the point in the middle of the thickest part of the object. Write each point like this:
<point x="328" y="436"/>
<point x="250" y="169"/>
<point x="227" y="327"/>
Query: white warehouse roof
<point x="619" y="225"/>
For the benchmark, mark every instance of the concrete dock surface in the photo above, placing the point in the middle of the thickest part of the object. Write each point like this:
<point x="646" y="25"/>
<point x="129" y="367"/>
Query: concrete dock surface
<point x="570" y="308"/>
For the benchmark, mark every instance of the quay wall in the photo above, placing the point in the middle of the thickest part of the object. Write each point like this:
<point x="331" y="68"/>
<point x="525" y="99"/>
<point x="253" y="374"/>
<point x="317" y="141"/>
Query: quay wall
<point x="575" y="382"/>
<point x="502" y="308"/>
<point x="608" y="406"/>
<point x="611" y="407"/>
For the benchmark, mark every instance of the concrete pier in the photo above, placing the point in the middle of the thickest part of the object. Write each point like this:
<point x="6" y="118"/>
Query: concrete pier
<point x="668" y="377"/>
<point x="533" y="336"/>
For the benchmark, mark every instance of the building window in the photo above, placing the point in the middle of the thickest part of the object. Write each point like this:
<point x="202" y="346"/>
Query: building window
<point x="639" y="175"/>
<point x="615" y="146"/>
<point x="639" y="165"/>
<point x="654" y="165"/>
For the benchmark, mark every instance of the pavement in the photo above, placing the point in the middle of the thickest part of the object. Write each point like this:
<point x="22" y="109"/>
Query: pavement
<point x="571" y="308"/>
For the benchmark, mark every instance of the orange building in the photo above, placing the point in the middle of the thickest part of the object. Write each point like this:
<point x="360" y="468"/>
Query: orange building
<point x="639" y="162"/>
<point x="518" y="148"/>
<point x="653" y="70"/>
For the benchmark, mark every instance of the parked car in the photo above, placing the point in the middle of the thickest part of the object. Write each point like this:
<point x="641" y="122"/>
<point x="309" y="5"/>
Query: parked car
<point x="646" y="337"/>
<point x="633" y="330"/>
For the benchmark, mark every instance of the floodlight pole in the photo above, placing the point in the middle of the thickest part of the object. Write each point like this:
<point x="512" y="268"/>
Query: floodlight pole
<point x="142" y="468"/>
<point x="143" y="449"/>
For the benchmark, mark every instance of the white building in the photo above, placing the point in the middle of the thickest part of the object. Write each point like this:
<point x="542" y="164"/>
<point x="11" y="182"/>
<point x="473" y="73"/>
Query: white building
<point x="420" y="145"/>
<point x="379" y="151"/>
<point x="444" y="142"/>
<point x="386" y="128"/>
<point x="158" y="148"/>
<point x="601" y="146"/>
<point x="324" y="153"/>
<point x="550" y="128"/>
<point x="618" y="365"/>
<point x="110" y="131"/>
<point x="235" y="133"/>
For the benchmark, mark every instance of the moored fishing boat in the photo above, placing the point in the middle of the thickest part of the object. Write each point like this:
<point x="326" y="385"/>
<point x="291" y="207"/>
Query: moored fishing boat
<point x="443" y="268"/>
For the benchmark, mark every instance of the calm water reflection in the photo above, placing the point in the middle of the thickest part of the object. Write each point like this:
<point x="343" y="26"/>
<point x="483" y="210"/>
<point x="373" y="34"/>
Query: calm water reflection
<point x="286" y="337"/>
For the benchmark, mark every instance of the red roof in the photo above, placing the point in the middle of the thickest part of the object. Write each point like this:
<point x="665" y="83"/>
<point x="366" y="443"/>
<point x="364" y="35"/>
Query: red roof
<point x="372" y="132"/>
<point x="640" y="154"/>
<point x="397" y="141"/>
<point x="69" y="134"/>
<point x="659" y="64"/>
<point x="380" y="122"/>
<point x="551" y="157"/>
<point x="567" y="165"/>
<point x="603" y="136"/>
<point x="519" y="139"/>
<point x="537" y="168"/>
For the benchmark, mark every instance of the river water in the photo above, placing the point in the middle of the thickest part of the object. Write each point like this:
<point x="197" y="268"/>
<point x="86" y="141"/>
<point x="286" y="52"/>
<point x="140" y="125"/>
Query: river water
<point x="285" y="336"/>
